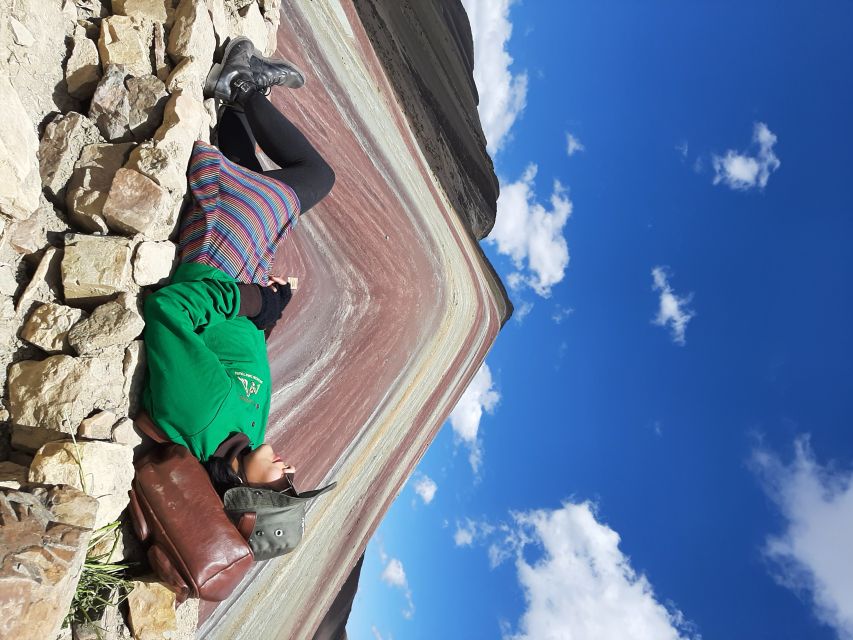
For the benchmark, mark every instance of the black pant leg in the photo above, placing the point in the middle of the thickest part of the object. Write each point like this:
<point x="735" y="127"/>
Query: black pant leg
<point x="302" y="167"/>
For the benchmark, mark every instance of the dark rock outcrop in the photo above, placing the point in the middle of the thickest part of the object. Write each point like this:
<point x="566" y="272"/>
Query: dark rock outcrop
<point x="427" y="51"/>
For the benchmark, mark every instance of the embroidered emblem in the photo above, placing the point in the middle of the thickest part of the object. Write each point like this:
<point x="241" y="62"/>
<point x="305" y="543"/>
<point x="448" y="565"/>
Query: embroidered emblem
<point x="251" y="384"/>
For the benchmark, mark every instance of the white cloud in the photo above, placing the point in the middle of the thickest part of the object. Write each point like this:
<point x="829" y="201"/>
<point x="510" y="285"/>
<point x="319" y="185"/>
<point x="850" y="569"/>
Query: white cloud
<point x="672" y="309"/>
<point x="425" y="487"/>
<point x="394" y="575"/>
<point x="582" y="587"/>
<point x="377" y="635"/>
<point x="522" y="310"/>
<point x="464" y="536"/>
<point x="471" y="531"/>
<point x="573" y="145"/>
<point x="561" y="313"/>
<point x="465" y="418"/>
<point x="743" y="171"/>
<point x="531" y="235"/>
<point x="813" y="555"/>
<point x="502" y="95"/>
<point x="682" y="148"/>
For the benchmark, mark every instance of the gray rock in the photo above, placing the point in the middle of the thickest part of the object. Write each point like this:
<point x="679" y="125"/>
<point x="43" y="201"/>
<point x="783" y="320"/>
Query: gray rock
<point x="148" y="98"/>
<point x="165" y="159"/>
<point x="31" y="235"/>
<point x="126" y="41"/>
<point x="125" y="433"/>
<point x="110" y="106"/>
<point x="153" y="262"/>
<point x="95" y="268"/>
<point x="114" y="323"/>
<point x="44" y="286"/>
<point x="90" y="184"/>
<point x="20" y="182"/>
<point x="192" y="36"/>
<point x="60" y="148"/>
<point x="82" y="465"/>
<point x="83" y="69"/>
<point x="98" y="426"/>
<point x="137" y="204"/>
<point x="48" y="325"/>
<point x="46" y="531"/>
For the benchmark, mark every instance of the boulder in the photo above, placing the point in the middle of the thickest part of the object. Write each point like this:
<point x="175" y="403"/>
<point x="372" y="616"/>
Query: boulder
<point x="60" y="147"/>
<point x="137" y="204"/>
<point x="59" y="392"/>
<point x="126" y="41"/>
<point x="184" y="120"/>
<point x="46" y="532"/>
<point x="95" y="268"/>
<point x="103" y="470"/>
<point x="117" y="322"/>
<point x="44" y="285"/>
<point x="98" y="426"/>
<point x="154" y="262"/>
<point x="192" y="36"/>
<point x="165" y="159"/>
<point x="151" y="607"/>
<point x="83" y="69"/>
<point x="110" y="106"/>
<point x="147" y="100"/>
<point x="158" y="164"/>
<point x="20" y="182"/>
<point x="153" y="10"/>
<point x="12" y="475"/>
<point x="31" y="235"/>
<point x="90" y="184"/>
<point x="48" y="325"/>
<point x="162" y="68"/>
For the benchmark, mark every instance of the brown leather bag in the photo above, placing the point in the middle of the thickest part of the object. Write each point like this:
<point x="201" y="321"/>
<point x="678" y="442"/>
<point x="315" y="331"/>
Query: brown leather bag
<point x="195" y="549"/>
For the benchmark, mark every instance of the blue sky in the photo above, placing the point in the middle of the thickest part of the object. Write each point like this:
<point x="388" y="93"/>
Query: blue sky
<point x="659" y="445"/>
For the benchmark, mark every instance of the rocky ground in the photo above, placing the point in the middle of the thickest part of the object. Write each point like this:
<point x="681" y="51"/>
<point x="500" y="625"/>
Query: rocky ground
<point x="101" y="104"/>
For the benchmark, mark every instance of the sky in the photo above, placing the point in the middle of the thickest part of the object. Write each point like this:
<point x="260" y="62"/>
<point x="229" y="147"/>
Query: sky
<point x="659" y="444"/>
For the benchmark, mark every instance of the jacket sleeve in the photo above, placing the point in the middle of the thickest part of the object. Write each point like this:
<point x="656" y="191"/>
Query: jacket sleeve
<point x="187" y="382"/>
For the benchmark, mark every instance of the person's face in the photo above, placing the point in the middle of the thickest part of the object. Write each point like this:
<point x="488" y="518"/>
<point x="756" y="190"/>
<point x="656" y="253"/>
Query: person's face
<point x="263" y="468"/>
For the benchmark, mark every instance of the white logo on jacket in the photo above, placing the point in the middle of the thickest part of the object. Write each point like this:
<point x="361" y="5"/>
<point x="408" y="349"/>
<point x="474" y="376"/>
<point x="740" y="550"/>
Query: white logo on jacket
<point x="251" y="384"/>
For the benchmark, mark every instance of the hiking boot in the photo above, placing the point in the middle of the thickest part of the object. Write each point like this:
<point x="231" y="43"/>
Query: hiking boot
<point x="243" y="72"/>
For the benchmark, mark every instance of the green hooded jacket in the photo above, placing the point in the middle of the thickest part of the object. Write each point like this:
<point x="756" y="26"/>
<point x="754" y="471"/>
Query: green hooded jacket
<point x="208" y="373"/>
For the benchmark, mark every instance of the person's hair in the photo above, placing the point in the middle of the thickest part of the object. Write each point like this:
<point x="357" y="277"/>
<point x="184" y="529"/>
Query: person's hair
<point x="222" y="476"/>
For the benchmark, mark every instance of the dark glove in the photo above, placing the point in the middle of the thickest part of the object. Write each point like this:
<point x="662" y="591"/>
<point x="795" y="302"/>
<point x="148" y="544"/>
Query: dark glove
<point x="272" y="305"/>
